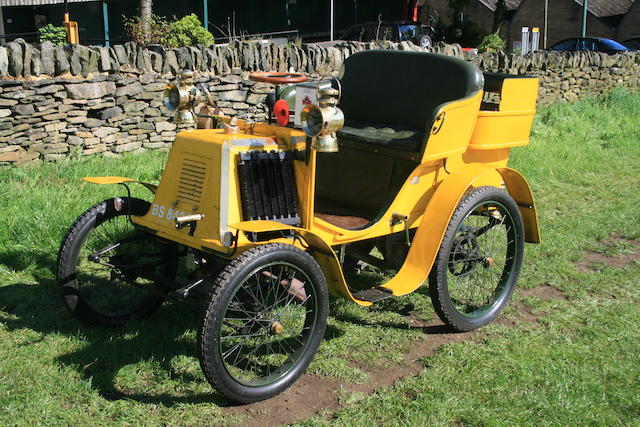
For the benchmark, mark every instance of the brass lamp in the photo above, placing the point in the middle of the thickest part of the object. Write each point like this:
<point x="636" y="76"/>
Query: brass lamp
<point x="181" y="97"/>
<point x="321" y="122"/>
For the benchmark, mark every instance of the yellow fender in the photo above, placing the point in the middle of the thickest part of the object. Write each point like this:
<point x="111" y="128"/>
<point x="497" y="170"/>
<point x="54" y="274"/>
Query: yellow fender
<point x="321" y="251"/>
<point x="438" y="213"/>
<point x="428" y="238"/>
<point x="103" y="180"/>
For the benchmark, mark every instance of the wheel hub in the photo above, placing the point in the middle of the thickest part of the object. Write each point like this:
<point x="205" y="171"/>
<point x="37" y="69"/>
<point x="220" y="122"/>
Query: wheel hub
<point x="464" y="254"/>
<point x="489" y="262"/>
<point x="276" y="328"/>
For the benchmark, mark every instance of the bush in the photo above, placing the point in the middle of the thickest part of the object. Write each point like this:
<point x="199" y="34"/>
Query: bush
<point x="492" y="42"/>
<point x="56" y="35"/>
<point x="187" y="31"/>
<point x="154" y="30"/>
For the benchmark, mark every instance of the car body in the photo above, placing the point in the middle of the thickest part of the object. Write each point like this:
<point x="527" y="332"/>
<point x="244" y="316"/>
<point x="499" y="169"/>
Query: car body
<point x="407" y="175"/>
<point x="595" y="44"/>
<point x="633" y="43"/>
<point x="395" y="31"/>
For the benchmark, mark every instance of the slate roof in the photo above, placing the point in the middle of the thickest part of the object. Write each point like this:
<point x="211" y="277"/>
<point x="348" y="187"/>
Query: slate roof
<point x="602" y="8"/>
<point x="599" y="8"/>
<point x="511" y="4"/>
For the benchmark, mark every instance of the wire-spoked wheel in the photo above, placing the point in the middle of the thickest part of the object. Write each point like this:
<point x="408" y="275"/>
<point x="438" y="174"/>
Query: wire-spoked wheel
<point x="263" y="323"/>
<point x="107" y="268"/>
<point x="479" y="260"/>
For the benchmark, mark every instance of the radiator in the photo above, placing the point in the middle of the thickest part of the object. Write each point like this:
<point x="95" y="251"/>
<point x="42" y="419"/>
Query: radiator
<point x="268" y="186"/>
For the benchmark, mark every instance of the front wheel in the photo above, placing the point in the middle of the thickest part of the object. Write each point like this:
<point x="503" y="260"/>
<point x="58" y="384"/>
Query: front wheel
<point x="106" y="267"/>
<point x="263" y="323"/>
<point x="479" y="260"/>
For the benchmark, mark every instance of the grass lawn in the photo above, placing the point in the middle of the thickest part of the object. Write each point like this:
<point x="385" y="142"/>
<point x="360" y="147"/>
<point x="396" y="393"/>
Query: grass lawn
<point x="574" y="358"/>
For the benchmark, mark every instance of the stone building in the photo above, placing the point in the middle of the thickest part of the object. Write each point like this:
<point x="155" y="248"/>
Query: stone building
<point x="564" y="19"/>
<point x="630" y="24"/>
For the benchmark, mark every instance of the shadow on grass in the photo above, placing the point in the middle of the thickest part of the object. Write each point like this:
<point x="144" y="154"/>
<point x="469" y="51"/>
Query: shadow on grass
<point x="104" y="351"/>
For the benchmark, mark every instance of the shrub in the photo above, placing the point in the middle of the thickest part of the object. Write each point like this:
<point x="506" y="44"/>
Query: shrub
<point x="187" y="31"/>
<point x="56" y="35"/>
<point x="154" y="30"/>
<point x="492" y="42"/>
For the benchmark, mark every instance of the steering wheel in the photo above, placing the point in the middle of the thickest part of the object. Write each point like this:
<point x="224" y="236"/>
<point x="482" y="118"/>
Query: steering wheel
<point x="278" y="77"/>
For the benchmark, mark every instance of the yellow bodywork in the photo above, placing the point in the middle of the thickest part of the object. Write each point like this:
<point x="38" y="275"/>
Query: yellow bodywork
<point x="467" y="147"/>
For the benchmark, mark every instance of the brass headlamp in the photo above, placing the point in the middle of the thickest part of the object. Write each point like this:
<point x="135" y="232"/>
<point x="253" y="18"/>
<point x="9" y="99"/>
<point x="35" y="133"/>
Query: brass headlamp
<point x="321" y="122"/>
<point x="183" y="96"/>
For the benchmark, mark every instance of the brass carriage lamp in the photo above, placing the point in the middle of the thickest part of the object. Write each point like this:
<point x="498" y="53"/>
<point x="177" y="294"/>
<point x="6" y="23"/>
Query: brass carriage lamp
<point x="322" y="121"/>
<point x="183" y="96"/>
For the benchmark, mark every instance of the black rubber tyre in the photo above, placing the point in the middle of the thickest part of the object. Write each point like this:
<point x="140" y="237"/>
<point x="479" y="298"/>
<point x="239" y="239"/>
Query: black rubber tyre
<point x="424" y="41"/>
<point x="109" y="290"/>
<point x="263" y="323"/>
<point x="479" y="260"/>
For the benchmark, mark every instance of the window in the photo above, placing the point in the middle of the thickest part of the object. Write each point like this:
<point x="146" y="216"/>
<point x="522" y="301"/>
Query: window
<point x="565" y="45"/>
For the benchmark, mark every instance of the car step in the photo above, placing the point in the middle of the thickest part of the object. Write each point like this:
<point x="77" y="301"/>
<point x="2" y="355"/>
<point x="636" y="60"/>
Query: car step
<point x="374" y="294"/>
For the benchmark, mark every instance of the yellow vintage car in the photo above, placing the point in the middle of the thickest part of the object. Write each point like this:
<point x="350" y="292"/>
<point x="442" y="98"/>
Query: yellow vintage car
<point x="399" y="164"/>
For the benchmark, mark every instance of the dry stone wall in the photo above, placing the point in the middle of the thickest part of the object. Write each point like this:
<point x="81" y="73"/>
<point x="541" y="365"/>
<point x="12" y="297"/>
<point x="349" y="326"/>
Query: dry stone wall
<point x="75" y="100"/>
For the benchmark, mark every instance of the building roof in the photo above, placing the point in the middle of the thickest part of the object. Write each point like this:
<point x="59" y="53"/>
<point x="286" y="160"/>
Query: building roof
<point x="492" y="4"/>
<point x="599" y="8"/>
<point x="37" y="2"/>
<point x="602" y="8"/>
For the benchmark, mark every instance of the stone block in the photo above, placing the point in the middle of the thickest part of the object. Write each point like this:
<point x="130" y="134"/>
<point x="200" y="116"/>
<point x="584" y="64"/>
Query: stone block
<point x="165" y="126"/>
<point x="90" y="90"/>
<point x="127" y="147"/>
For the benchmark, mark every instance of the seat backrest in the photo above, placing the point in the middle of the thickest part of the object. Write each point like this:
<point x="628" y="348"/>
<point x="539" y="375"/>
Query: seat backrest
<point x="404" y="88"/>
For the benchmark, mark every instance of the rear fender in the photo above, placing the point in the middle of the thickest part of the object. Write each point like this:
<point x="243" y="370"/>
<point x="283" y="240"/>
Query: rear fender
<point x="428" y="238"/>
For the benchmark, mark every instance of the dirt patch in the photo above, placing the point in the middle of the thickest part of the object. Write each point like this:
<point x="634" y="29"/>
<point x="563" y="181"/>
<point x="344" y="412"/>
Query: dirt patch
<point x="312" y="394"/>
<point x="629" y="251"/>
<point x="544" y="292"/>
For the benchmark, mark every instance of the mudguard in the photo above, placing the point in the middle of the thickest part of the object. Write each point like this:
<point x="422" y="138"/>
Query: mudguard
<point x="321" y="252"/>
<point x="428" y="238"/>
<point x="103" y="180"/>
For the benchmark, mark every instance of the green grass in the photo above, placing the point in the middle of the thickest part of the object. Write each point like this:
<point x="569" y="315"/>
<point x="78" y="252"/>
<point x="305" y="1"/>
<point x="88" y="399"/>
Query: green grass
<point x="579" y="364"/>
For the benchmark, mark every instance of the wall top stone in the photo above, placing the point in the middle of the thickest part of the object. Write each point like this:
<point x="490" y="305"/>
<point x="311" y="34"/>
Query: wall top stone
<point x="230" y="60"/>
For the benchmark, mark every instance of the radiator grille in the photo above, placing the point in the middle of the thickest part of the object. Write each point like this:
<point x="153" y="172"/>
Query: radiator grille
<point x="191" y="181"/>
<point x="268" y="186"/>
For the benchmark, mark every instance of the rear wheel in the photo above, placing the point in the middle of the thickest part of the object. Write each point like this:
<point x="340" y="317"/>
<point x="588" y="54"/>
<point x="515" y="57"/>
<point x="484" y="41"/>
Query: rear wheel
<point x="479" y="260"/>
<point x="106" y="267"/>
<point x="265" y="319"/>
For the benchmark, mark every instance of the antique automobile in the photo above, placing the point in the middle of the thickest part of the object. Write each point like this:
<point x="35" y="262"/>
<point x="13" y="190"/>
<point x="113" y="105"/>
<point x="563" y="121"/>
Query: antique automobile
<point x="261" y="221"/>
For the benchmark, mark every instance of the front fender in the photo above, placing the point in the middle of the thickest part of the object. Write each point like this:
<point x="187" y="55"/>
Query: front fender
<point x="320" y="250"/>
<point x="103" y="180"/>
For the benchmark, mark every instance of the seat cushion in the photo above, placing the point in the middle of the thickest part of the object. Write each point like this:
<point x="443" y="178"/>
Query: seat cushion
<point x="395" y="136"/>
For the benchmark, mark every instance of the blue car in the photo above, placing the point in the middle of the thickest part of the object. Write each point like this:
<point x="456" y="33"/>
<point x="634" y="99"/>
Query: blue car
<point x="597" y="44"/>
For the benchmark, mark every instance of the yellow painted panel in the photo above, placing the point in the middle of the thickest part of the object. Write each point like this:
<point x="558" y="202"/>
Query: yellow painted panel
<point x="453" y="135"/>
<point x="102" y="180"/>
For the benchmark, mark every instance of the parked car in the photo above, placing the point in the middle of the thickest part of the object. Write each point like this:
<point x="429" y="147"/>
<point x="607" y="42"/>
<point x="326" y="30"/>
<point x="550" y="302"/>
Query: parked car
<point x="397" y="31"/>
<point x="633" y="43"/>
<point x="597" y="44"/>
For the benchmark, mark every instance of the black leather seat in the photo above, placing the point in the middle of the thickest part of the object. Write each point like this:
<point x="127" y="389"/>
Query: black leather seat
<point x="391" y="97"/>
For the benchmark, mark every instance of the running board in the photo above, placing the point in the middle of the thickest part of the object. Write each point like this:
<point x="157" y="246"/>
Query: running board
<point x="374" y="294"/>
